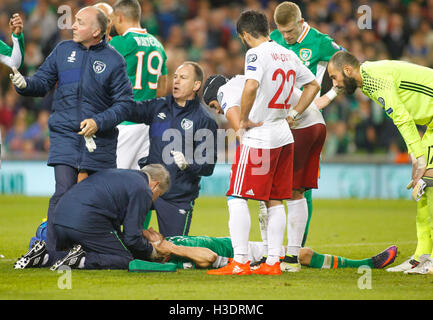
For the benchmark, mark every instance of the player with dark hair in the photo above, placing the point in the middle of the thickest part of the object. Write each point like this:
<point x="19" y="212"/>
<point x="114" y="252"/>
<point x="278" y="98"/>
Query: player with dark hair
<point x="264" y="161"/>
<point x="405" y="91"/>
<point x="253" y="23"/>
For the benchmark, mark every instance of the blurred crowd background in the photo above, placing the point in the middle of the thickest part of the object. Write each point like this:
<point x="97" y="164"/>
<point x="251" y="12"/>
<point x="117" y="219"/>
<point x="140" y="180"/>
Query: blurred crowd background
<point x="205" y="31"/>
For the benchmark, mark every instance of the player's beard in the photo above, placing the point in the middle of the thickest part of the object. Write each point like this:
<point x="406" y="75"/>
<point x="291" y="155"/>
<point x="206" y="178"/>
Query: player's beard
<point x="350" y="84"/>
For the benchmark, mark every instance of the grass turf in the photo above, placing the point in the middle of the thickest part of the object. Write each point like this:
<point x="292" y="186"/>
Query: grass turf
<point x="351" y="228"/>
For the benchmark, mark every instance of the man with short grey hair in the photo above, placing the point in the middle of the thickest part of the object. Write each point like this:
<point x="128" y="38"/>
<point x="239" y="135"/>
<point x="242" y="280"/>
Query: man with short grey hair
<point x="157" y="172"/>
<point x="89" y="216"/>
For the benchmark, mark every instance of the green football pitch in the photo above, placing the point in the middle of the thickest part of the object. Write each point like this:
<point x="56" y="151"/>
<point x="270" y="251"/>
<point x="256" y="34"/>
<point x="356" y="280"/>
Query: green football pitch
<point x="351" y="228"/>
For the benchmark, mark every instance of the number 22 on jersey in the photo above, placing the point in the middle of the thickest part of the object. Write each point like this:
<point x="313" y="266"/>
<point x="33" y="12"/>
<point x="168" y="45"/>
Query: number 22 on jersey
<point x="278" y="75"/>
<point x="153" y="71"/>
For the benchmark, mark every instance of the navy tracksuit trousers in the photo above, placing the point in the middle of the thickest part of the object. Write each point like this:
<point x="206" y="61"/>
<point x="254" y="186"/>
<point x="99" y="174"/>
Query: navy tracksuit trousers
<point x="104" y="250"/>
<point x="65" y="177"/>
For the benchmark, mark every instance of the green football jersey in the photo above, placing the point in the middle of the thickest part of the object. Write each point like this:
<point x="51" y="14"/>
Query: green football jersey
<point x="13" y="57"/>
<point x="314" y="49"/>
<point x="222" y="246"/>
<point x="405" y="91"/>
<point x="145" y="61"/>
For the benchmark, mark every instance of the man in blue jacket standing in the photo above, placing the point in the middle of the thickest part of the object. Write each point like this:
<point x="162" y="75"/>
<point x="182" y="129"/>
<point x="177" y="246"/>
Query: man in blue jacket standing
<point x="88" y="219"/>
<point x="91" y="82"/>
<point x="183" y="137"/>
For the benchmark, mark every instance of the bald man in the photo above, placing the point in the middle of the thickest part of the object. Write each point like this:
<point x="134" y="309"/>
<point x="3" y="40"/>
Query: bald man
<point x="91" y="82"/>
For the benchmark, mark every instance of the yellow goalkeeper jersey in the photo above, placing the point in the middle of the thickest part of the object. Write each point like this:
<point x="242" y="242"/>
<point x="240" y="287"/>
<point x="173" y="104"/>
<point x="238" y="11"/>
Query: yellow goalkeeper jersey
<point x="405" y="91"/>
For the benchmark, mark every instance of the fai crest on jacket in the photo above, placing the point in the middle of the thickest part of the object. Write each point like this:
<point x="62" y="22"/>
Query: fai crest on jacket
<point x="186" y="124"/>
<point x="98" y="66"/>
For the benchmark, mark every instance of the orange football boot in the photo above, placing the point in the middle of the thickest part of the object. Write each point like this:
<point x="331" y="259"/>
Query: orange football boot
<point x="269" y="270"/>
<point x="232" y="268"/>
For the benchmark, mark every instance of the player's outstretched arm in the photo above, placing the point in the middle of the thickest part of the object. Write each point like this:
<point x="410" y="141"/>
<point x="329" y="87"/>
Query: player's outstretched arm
<point x="307" y="97"/>
<point x="308" y="94"/>
<point x="326" y="99"/>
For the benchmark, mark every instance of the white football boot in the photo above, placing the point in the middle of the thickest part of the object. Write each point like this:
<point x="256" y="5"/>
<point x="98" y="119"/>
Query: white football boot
<point x="408" y="264"/>
<point x="423" y="267"/>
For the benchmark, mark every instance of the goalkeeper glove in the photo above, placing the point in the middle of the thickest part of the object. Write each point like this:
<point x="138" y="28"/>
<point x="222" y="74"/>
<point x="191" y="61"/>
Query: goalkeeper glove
<point x="418" y="189"/>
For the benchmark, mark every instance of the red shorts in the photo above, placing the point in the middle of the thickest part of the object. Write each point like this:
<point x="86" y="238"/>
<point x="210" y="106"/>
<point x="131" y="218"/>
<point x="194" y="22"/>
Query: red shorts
<point x="308" y="146"/>
<point x="262" y="174"/>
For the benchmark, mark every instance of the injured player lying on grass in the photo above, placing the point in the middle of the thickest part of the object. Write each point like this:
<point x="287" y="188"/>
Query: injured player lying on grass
<point x="189" y="252"/>
<point x="214" y="252"/>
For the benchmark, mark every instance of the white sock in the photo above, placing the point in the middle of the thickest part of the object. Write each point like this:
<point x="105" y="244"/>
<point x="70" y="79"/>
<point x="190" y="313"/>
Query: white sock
<point x="276" y="226"/>
<point x="239" y="226"/>
<point x="297" y="216"/>
<point x="263" y="223"/>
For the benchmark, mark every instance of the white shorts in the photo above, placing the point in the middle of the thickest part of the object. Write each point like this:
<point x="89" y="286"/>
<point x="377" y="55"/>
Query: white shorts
<point x="132" y="145"/>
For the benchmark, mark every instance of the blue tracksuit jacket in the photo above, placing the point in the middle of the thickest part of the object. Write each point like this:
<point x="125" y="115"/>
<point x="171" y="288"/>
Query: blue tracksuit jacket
<point x="91" y="83"/>
<point x="190" y="129"/>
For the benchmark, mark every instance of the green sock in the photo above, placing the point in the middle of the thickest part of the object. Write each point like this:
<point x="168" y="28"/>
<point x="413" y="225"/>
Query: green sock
<point x="147" y="220"/>
<point x="327" y="261"/>
<point x="309" y="197"/>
